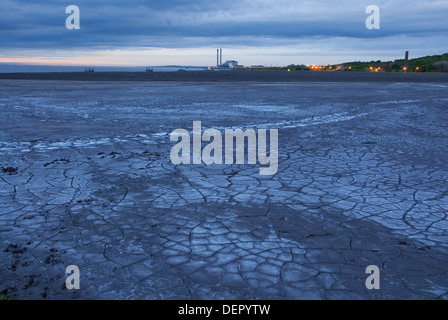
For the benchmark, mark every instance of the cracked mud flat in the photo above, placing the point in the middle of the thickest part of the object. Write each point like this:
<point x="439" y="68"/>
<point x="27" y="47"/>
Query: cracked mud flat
<point x="86" y="180"/>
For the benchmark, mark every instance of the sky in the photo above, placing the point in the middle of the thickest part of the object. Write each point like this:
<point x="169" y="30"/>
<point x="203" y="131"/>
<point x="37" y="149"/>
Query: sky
<point x="188" y="32"/>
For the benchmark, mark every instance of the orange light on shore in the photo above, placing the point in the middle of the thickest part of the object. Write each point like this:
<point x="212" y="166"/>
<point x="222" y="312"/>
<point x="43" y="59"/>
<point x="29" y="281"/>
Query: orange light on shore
<point x="317" y="68"/>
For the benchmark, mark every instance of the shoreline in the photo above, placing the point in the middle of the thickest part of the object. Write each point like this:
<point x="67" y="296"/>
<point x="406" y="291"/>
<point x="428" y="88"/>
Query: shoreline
<point x="231" y="76"/>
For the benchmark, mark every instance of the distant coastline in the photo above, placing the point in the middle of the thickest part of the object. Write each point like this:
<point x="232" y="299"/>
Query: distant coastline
<point x="15" y="68"/>
<point x="233" y="75"/>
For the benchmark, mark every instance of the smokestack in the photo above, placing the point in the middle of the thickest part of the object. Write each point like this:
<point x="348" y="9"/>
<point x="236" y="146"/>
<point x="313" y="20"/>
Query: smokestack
<point x="217" y="58"/>
<point x="406" y="60"/>
<point x="220" y="61"/>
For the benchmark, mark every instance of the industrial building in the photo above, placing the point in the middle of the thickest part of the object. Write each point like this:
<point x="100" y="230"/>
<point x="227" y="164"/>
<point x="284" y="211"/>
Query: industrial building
<point x="229" y="64"/>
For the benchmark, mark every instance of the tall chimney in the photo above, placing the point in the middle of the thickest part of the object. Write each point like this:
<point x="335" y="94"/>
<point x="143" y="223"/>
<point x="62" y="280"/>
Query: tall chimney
<point x="406" y="60"/>
<point x="220" y="61"/>
<point x="217" y="58"/>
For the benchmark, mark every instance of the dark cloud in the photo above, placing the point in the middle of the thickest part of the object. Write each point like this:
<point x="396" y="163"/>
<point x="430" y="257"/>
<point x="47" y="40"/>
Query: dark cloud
<point x="25" y="24"/>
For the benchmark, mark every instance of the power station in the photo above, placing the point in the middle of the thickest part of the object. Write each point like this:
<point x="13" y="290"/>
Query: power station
<point x="229" y="64"/>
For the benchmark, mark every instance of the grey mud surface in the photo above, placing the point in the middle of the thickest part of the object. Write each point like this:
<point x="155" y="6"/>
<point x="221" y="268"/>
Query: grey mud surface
<point x="362" y="181"/>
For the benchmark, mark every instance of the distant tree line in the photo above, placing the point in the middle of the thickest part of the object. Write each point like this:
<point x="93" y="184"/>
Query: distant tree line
<point x="441" y="66"/>
<point x="423" y="64"/>
<point x="297" y="67"/>
<point x="436" y="63"/>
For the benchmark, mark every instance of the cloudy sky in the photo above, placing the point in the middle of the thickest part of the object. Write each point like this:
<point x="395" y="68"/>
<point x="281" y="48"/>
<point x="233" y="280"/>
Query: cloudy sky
<point x="187" y="32"/>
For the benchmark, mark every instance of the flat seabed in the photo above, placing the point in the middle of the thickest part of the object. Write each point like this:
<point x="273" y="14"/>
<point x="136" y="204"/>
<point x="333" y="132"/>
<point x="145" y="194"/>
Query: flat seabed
<point x="233" y="76"/>
<point x="86" y="180"/>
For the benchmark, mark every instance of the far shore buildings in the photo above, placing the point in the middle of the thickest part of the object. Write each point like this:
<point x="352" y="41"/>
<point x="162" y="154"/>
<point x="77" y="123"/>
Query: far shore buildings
<point x="231" y="64"/>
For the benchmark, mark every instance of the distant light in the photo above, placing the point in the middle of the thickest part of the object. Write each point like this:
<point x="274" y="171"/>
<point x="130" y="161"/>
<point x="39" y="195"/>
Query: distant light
<point x="289" y="69"/>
